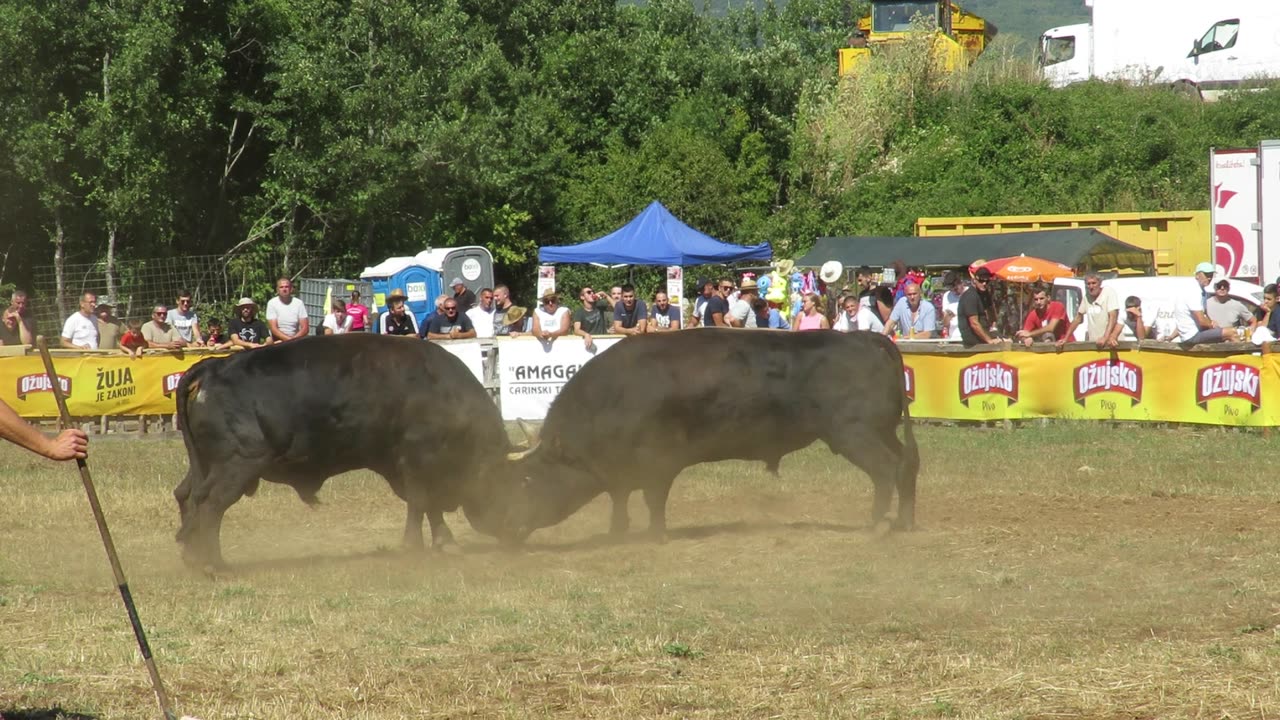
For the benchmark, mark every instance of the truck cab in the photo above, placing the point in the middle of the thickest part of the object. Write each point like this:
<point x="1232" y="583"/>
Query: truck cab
<point x="1064" y="54"/>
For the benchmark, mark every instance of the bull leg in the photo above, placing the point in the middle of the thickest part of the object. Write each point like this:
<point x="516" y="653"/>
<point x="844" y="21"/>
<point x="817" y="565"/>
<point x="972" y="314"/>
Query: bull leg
<point x="619" y="521"/>
<point x="206" y="502"/>
<point x="655" y="496"/>
<point x="181" y="494"/>
<point x="870" y="452"/>
<point x="441" y="535"/>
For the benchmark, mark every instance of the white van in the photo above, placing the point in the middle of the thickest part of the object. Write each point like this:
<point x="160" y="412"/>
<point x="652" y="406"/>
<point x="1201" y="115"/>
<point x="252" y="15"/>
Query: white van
<point x="1238" y="49"/>
<point x="1158" y="293"/>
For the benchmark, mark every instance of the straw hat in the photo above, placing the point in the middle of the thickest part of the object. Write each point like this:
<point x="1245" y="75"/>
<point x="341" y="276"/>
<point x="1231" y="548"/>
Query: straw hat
<point x="246" y="301"/>
<point x="748" y="285"/>
<point x="831" y="271"/>
<point x="514" y="314"/>
<point x="786" y="266"/>
<point x="549" y="295"/>
<point x="397" y="294"/>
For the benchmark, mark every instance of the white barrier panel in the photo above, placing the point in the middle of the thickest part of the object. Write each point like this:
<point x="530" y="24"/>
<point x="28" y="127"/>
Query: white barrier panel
<point x="1233" y="175"/>
<point x="470" y="353"/>
<point x="532" y="372"/>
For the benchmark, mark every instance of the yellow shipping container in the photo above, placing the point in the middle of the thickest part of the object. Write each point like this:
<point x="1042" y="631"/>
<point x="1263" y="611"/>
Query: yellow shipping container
<point x="1179" y="239"/>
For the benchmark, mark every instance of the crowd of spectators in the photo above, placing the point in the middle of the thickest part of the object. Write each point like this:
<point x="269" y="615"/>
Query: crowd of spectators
<point x="963" y="309"/>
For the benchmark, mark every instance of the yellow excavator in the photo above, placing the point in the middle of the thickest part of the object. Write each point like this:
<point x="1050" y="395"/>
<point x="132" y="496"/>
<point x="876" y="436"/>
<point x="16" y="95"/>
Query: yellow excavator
<point x="959" y="37"/>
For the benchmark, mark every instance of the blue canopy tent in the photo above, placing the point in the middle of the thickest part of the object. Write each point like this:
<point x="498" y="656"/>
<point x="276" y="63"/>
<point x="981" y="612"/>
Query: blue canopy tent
<point x="654" y="237"/>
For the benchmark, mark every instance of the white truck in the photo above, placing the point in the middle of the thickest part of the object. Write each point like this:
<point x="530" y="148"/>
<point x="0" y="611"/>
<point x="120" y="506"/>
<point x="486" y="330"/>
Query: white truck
<point x="1202" y="48"/>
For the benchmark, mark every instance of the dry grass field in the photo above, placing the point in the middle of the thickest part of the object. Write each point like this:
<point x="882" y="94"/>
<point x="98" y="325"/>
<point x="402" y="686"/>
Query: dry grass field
<point x="1059" y="571"/>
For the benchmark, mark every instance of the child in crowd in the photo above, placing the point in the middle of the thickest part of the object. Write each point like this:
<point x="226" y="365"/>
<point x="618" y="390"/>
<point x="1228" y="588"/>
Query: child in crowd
<point x="216" y="337"/>
<point x="132" y="342"/>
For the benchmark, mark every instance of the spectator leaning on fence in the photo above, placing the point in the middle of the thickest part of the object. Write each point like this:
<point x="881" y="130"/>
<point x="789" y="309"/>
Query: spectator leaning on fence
<point x="131" y="342"/>
<point x="912" y="316"/>
<point x="484" y="318"/>
<point x="1226" y="312"/>
<point x="1194" y="325"/>
<point x="20" y="302"/>
<point x="1099" y="310"/>
<point x="975" y="313"/>
<point x="159" y="333"/>
<point x="13" y="331"/>
<point x="665" y="316"/>
<point x="550" y="320"/>
<point x="247" y="331"/>
<point x="589" y="319"/>
<point x="1131" y="326"/>
<point x="109" y="329"/>
<point x="1046" y="321"/>
<point x="397" y="320"/>
<point x="287" y="315"/>
<point x="452" y="325"/>
<point x="81" y="328"/>
<point x="630" y="314"/>
<point x="183" y="318"/>
<point x="337" y="321"/>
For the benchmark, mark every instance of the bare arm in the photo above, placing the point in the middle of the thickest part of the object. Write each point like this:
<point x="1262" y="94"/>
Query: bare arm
<point x="69" y="444"/>
<point x="1112" y="332"/>
<point x="25" y="334"/>
<point x="304" y="327"/>
<point x="979" y="330"/>
<point x="275" y="330"/>
<point x="1071" y="329"/>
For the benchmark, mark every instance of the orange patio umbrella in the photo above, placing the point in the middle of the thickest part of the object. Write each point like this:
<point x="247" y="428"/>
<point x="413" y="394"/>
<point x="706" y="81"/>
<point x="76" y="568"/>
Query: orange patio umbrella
<point x="1024" y="269"/>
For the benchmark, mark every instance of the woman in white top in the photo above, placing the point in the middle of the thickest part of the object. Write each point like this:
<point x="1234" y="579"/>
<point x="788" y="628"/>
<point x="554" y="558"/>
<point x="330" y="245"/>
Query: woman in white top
<point x="550" y="319"/>
<point x="337" y="321"/>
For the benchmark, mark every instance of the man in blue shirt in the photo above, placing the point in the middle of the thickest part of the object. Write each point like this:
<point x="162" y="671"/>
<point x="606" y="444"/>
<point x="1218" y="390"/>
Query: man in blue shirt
<point x="912" y="316"/>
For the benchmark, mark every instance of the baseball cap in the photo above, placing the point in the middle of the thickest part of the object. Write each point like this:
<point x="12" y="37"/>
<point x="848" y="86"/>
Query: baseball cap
<point x="1206" y="267"/>
<point x="982" y="274"/>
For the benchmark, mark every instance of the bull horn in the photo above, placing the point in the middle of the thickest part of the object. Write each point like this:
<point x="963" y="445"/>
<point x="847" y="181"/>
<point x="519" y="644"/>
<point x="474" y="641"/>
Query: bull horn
<point x="520" y="455"/>
<point x="530" y="432"/>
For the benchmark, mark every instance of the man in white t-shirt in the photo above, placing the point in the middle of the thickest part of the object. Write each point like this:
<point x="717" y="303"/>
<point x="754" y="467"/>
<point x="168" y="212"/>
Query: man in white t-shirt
<point x="337" y="322"/>
<point x="1194" y="325"/>
<point x="550" y="319"/>
<point x="185" y="321"/>
<point x="955" y="285"/>
<point x="80" y="331"/>
<point x="287" y="315"/>
<point x="483" y="314"/>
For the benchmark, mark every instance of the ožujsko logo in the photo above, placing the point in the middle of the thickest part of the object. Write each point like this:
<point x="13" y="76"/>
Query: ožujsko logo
<point x="1102" y="376"/>
<point x="1228" y="380"/>
<point x="909" y="383"/>
<point x="170" y="382"/>
<point x="40" y="383"/>
<point x="989" y="378"/>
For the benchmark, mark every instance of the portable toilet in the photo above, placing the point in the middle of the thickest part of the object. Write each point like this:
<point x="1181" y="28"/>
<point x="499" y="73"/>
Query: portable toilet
<point x="426" y="275"/>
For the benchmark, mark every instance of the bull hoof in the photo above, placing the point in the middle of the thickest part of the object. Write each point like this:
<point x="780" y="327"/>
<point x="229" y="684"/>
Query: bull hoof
<point x="903" y="526"/>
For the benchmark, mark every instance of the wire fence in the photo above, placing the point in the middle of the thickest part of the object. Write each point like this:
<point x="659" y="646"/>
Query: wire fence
<point x="214" y="281"/>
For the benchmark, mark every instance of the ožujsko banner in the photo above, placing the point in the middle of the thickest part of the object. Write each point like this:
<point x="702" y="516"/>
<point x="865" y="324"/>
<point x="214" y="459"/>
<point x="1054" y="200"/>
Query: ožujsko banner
<point x="96" y="384"/>
<point x="1242" y="390"/>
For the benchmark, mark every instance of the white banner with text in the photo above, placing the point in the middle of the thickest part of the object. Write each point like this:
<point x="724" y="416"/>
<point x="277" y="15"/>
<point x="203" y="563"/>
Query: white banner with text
<point x="469" y="352"/>
<point x="532" y="372"/>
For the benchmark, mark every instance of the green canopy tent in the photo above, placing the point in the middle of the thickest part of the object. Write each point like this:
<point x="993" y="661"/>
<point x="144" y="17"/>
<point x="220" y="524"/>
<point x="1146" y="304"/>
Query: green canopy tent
<point x="1083" y="249"/>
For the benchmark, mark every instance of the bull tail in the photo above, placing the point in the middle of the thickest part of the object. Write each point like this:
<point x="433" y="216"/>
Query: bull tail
<point x="908" y="469"/>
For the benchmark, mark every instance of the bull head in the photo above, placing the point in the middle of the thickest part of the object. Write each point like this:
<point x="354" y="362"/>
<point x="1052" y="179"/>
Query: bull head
<point x="531" y="438"/>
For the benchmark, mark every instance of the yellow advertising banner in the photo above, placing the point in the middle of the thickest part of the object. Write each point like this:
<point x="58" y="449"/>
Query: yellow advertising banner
<point x="1241" y="390"/>
<point x="95" y="384"/>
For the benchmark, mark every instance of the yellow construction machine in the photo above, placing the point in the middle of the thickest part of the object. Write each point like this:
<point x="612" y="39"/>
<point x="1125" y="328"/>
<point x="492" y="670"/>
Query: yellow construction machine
<point x="959" y="37"/>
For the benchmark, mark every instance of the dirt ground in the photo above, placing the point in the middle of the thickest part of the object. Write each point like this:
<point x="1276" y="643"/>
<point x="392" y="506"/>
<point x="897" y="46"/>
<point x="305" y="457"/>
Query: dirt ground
<point x="1055" y="573"/>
